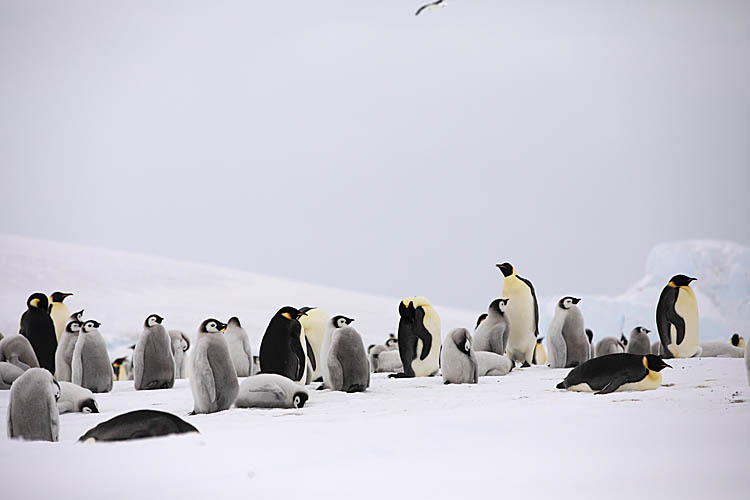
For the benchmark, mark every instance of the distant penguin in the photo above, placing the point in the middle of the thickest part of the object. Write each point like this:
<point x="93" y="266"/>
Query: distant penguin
<point x="153" y="363"/>
<point x="736" y="341"/>
<point x="493" y="365"/>
<point x="239" y="347"/>
<point x="59" y="312"/>
<point x="566" y="337"/>
<point x="492" y="334"/>
<point x="480" y="319"/>
<point x="338" y="321"/>
<point x="392" y="343"/>
<point x="32" y="410"/>
<point x="8" y="374"/>
<point x="77" y="316"/>
<point x="138" y="424"/>
<point x="677" y="318"/>
<point x="458" y="363"/>
<point x="270" y="390"/>
<point x="37" y="326"/>
<point x="91" y="367"/>
<point x="624" y="340"/>
<point x="523" y="313"/>
<point x="590" y="335"/>
<point x="281" y="348"/>
<point x="720" y="349"/>
<point x="180" y="343"/>
<point x="609" y="345"/>
<point x="418" y="338"/>
<point x="386" y="362"/>
<point x="656" y="348"/>
<point x="74" y="398"/>
<point x="64" y="353"/>
<point x="540" y="355"/>
<point x="616" y="372"/>
<point x="639" y="343"/>
<point x="314" y="323"/>
<point x="347" y="367"/>
<point x="17" y="350"/>
<point x="213" y="379"/>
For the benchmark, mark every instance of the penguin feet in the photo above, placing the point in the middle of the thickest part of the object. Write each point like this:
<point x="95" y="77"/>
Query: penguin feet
<point x="525" y="364"/>
<point x="399" y="375"/>
<point x="321" y="387"/>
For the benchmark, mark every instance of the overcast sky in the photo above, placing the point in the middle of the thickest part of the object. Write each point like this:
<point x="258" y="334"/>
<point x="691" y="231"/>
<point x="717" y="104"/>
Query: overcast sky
<point x="350" y="144"/>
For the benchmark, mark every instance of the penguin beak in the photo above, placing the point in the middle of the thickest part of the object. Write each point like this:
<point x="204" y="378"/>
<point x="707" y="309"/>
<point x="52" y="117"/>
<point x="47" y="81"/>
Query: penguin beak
<point x="223" y="327"/>
<point x="576" y="301"/>
<point x="693" y="279"/>
<point x="664" y="365"/>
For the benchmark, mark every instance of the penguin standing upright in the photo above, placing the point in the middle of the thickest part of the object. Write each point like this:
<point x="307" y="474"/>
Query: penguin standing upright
<point x="418" y="338"/>
<point x="347" y="366"/>
<point x="311" y="363"/>
<point x="153" y="362"/>
<point x="213" y="379"/>
<point x="64" y="353"/>
<point x="540" y="355"/>
<point x="239" y="347"/>
<point x="677" y="318"/>
<point x="568" y="344"/>
<point x="492" y="334"/>
<point x="314" y="323"/>
<point x="638" y="342"/>
<point x="59" y="312"/>
<point x="523" y="313"/>
<point x="281" y="348"/>
<point x="747" y="362"/>
<point x="37" y="326"/>
<point x="336" y="322"/>
<point x="180" y="344"/>
<point x="91" y="367"/>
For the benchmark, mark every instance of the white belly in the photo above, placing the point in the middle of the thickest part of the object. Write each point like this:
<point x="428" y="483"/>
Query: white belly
<point x="520" y="311"/>
<point x="60" y="316"/>
<point x="430" y="365"/>
<point x="650" y="382"/>
<point x="687" y="307"/>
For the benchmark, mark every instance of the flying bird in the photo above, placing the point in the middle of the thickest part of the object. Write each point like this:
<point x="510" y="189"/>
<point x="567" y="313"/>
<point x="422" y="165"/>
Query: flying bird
<point x="428" y="5"/>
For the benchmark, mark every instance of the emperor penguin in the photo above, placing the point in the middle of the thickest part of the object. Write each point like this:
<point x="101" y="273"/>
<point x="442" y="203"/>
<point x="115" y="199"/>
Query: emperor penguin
<point x="491" y="364"/>
<point x="492" y="334"/>
<point x="314" y="324"/>
<point x="384" y="361"/>
<point x="270" y="390"/>
<point x="418" y="338"/>
<point x="8" y="374"/>
<point x="677" y="318"/>
<point x="523" y="313"/>
<point x="566" y="337"/>
<point x="281" y="348"/>
<point x="338" y="321"/>
<point x="720" y="349"/>
<point x="91" y="367"/>
<point x="639" y="342"/>
<point x="656" y="348"/>
<point x="311" y="362"/>
<point x="32" y="410"/>
<point x="239" y="347"/>
<point x="153" y="363"/>
<point x="347" y="368"/>
<point x="180" y="343"/>
<point x="615" y="373"/>
<point x="74" y="398"/>
<point x="37" y="326"/>
<point x="138" y="424"/>
<point x="213" y="379"/>
<point x="736" y="341"/>
<point x="17" y="350"/>
<point x="609" y="345"/>
<point x="540" y="355"/>
<point x="64" y="353"/>
<point x="590" y="335"/>
<point x="458" y="363"/>
<point x="59" y="312"/>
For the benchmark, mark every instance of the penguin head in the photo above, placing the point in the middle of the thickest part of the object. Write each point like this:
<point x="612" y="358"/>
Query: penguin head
<point x="736" y="340"/>
<point x="590" y="334"/>
<point x="462" y="338"/>
<point x="370" y="348"/>
<point x="78" y="315"/>
<point x="152" y="320"/>
<point x="654" y="362"/>
<point x="623" y="339"/>
<point x="89" y="406"/>
<point x="567" y="302"/>
<point x="392" y="340"/>
<point x="340" y="321"/>
<point x="38" y="300"/>
<point x="681" y="280"/>
<point x="234" y="321"/>
<point x="641" y="329"/>
<point x="57" y="389"/>
<point x="73" y="326"/>
<point x="90" y="325"/>
<point x="539" y="340"/>
<point x="291" y="313"/>
<point x="59" y="296"/>
<point x="299" y="400"/>
<point x="506" y="268"/>
<point x="499" y="305"/>
<point x="304" y="310"/>
<point x="481" y="318"/>
<point x="212" y="325"/>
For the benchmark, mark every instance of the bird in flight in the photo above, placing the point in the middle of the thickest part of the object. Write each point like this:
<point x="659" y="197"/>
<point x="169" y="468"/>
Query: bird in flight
<point x="428" y="5"/>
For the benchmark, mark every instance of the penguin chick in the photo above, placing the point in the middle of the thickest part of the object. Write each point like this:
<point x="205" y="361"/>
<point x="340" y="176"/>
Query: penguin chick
<point x="566" y="336"/>
<point x="32" y="411"/>
<point x="153" y="362"/>
<point x="74" y="398"/>
<point x="270" y="390"/>
<point x="719" y="349"/>
<point x="492" y="334"/>
<point x="336" y="322"/>
<point x="347" y="366"/>
<point x="213" y="379"/>
<point x="392" y="343"/>
<point x="8" y="374"/>
<point x="64" y="353"/>
<point x="609" y="345"/>
<point x="458" y="361"/>
<point x="17" y="350"/>
<point x="239" y="347"/>
<point x="480" y="319"/>
<point x="91" y="367"/>
<point x="386" y="362"/>
<point x="492" y="364"/>
<point x="639" y="342"/>
<point x="180" y="343"/>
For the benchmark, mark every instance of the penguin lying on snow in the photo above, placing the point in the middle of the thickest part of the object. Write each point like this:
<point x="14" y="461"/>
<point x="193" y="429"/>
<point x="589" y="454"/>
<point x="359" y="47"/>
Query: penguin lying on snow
<point x="17" y="351"/>
<point x="458" y="361"/>
<point x="138" y="424"/>
<point x="74" y="398"/>
<point x="270" y="390"/>
<point x="8" y="374"/>
<point x="719" y="349"/>
<point x="493" y="365"/>
<point x="384" y="361"/>
<point x="616" y="372"/>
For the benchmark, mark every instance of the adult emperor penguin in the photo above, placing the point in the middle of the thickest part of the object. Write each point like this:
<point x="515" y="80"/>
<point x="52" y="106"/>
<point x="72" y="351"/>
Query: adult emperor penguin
<point x="180" y="343"/>
<point x="91" y="367"/>
<point x="138" y="424"/>
<point x="492" y="333"/>
<point x="540" y="355"/>
<point x="213" y="379"/>
<point x="32" y="411"/>
<point x="347" y="368"/>
<point x="153" y="363"/>
<point x="74" y="398"/>
<point x="418" y="338"/>
<point x="270" y="390"/>
<point x="338" y="321"/>
<point x="566" y="337"/>
<point x="616" y="372"/>
<point x="37" y="326"/>
<point x="239" y="347"/>
<point x="59" y="312"/>
<point x="458" y="363"/>
<point x="17" y="350"/>
<point x="736" y="341"/>
<point x="609" y="345"/>
<point x="64" y="353"/>
<point x="677" y="318"/>
<point x="314" y="324"/>
<point x="311" y="362"/>
<point x="281" y="348"/>
<point x="491" y="364"/>
<point x="639" y="342"/>
<point x="523" y="313"/>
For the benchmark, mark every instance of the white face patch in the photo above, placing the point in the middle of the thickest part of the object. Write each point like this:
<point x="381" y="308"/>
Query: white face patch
<point x="567" y="303"/>
<point x="341" y="323"/>
<point x="151" y="321"/>
<point x="86" y="409"/>
<point x="211" y="327"/>
<point x="467" y="345"/>
<point x="296" y="401"/>
<point x="88" y="326"/>
<point x="75" y="327"/>
<point x="501" y="306"/>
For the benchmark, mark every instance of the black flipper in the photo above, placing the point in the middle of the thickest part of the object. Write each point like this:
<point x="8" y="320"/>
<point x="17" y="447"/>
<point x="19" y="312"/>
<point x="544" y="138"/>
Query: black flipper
<point x="561" y="385"/>
<point x="613" y="385"/>
<point x="297" y="349"/>
<point x="664" y="318"/>
<point x="423" y="334"/>
<point x="536" y="304"/>
<point x="310" y="354"/>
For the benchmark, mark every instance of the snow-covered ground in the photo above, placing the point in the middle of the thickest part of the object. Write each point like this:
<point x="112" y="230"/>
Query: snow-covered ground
<point x="513" y="436"/>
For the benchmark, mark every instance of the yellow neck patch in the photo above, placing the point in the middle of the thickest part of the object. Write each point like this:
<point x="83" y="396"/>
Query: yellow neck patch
<point x="287" y="315"/>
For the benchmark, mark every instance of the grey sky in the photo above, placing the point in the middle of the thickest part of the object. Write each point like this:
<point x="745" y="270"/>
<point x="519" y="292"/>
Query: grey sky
<point x="350" y="144"/>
